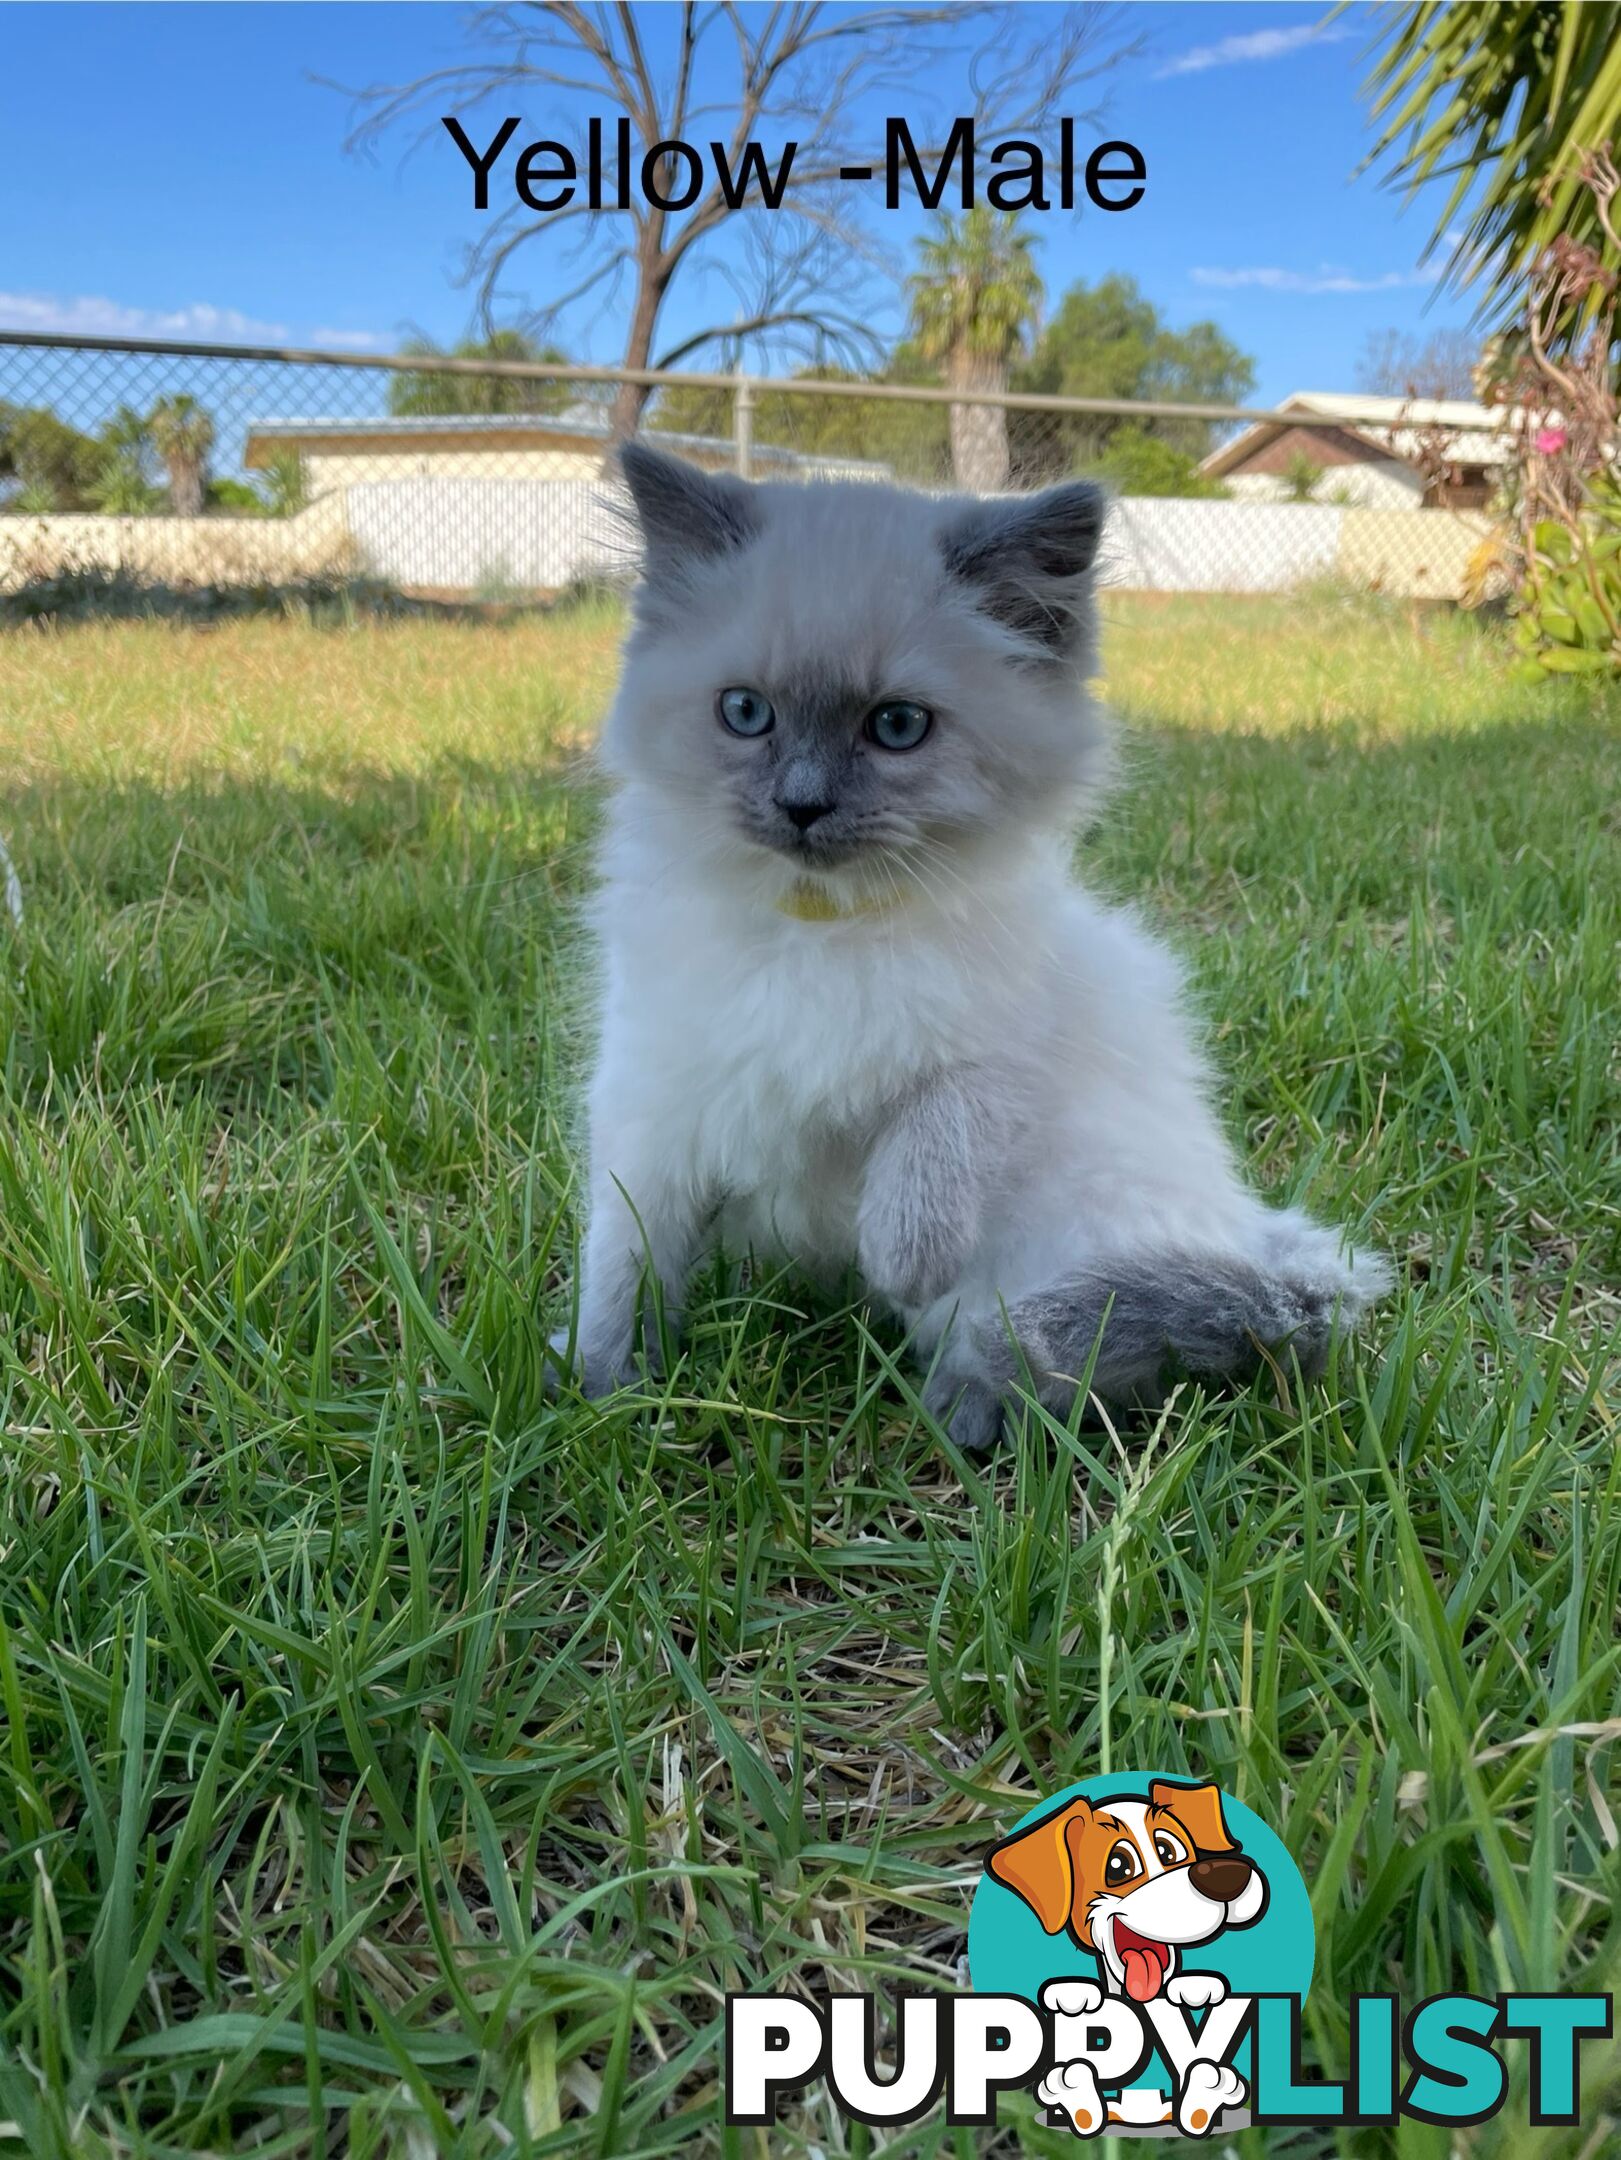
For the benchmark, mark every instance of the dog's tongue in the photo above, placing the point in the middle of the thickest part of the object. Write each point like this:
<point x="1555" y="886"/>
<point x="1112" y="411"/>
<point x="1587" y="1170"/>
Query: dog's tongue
<point x="1144" y="1969"/>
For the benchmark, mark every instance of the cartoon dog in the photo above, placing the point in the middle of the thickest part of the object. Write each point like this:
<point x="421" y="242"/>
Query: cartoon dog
<point x="1136" y="1882"/>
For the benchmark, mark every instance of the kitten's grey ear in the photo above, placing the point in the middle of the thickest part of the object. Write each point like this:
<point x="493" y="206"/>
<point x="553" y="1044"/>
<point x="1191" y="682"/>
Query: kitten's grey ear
<point x="1029" y="561"/>
<point x="683" y="512"/>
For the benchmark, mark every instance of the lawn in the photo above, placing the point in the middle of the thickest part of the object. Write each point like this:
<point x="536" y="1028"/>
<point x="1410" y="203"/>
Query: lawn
<point x="395" y="1761"/>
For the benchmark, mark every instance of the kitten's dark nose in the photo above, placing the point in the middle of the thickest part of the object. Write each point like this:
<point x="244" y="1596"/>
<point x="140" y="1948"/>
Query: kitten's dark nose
<point x="805" y="814"/>
<point x="1221" y="1876"/>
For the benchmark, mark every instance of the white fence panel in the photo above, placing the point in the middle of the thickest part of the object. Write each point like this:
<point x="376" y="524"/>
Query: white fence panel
<point x="1154" y="545"/>
<point x="447" y="533"/>
<point x="463" y="534"/>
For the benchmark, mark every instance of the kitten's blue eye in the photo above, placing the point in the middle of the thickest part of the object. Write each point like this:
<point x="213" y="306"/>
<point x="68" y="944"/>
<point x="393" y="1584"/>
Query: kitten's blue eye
<point x="898" y="724"/>
<point x="745" y="712"/>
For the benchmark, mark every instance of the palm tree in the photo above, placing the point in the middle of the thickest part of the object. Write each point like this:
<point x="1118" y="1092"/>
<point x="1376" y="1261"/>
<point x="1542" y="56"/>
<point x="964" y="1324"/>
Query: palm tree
<point x="183" y="435"/>
<point x="127" y="438"/>
<point x="975" y="299"/>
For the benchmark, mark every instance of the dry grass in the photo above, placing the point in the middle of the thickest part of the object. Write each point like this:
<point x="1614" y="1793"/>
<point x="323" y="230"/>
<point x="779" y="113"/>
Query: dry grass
<point x="261" y="697"/>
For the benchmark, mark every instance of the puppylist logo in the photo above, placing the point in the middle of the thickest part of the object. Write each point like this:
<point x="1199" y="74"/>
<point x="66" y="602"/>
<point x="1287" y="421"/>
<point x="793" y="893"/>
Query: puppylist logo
<point x="1176" y="1914"/>
<point x="1140" y="1951"/>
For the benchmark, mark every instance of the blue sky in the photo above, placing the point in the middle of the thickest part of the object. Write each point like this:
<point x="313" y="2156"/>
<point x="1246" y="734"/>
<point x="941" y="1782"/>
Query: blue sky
<point x="186" y="176"/>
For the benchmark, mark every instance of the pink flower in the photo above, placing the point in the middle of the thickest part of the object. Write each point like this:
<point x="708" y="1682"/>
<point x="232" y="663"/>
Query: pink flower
<point x="1550" y="441"/>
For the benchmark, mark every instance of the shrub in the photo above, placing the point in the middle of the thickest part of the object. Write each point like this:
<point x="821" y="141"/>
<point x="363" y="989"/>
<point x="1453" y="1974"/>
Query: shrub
<point x="1300" y="477"/>
<point x="1568" y="617"/>
<point x="105" y="593"/>
<point x="235" y="495"/>
<point x="1567" y="549"/>
<point x="1138" y="463"/>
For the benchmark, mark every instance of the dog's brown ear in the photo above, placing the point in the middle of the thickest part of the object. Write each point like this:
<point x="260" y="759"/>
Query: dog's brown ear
<point x="1035" y="1864"/>
<point x="1198" y="1809"/>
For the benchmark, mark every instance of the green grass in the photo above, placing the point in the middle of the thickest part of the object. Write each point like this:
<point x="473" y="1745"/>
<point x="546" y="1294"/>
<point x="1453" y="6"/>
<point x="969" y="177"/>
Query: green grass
<point x="395" y="1762"/>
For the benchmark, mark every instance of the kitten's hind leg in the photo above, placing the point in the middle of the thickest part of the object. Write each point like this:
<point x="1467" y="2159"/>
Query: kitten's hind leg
<point x="967" y="1405"/>
<point x="961" y="1391"/>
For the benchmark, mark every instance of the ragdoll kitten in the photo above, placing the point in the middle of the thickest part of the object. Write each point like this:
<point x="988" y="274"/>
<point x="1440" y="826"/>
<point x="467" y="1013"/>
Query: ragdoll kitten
<point x="856" y="1007"/>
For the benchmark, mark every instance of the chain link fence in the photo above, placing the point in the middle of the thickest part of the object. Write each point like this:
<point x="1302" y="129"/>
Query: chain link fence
<point x="170" y="468"/>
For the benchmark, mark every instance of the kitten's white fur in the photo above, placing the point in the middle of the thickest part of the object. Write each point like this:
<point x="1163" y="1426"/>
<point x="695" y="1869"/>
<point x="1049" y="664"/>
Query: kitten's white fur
<point x="979" y="1083"/>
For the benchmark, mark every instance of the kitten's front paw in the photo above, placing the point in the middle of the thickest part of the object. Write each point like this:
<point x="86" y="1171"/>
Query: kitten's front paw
<point x="600" y="1368"/>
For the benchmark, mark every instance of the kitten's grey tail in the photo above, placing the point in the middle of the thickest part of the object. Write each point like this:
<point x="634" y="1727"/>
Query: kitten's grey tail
<point x="1154" y="1317"/>
<point x="1205" y="1314"/>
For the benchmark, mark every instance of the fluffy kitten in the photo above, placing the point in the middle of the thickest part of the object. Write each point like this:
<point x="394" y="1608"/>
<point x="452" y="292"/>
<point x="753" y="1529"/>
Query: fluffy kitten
<point x="857" y="1009"/>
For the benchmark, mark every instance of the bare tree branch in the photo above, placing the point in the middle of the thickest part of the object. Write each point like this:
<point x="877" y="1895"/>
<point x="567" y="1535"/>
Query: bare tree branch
<point x="800" y="67"/>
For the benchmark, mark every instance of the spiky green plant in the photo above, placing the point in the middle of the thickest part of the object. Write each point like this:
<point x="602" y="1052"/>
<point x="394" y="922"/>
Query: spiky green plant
<point x="122" y="492"/>
<point x="283" y="484"/>
<point x="1502" y="102"/>
<point x="123" y="487"/>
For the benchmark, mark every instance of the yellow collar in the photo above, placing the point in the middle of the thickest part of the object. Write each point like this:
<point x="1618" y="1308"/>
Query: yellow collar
<point x="806" y="901"/>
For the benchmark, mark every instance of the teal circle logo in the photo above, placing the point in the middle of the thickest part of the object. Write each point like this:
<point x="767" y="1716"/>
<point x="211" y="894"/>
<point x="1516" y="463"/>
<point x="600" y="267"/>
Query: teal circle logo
<point x="1127" y="1898"/>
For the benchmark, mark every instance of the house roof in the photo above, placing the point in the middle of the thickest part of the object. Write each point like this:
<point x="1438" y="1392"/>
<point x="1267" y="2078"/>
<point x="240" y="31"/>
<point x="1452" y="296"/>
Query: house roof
<point x="1391" y="427"/>
<point x="586" y="427"/>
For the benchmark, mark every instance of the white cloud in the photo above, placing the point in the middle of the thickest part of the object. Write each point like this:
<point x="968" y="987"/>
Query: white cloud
<point x="1328" y="279"/>
<point x="1253" y="45"/>
<point x="346" y="340"/>
<point x="89" y="315"/>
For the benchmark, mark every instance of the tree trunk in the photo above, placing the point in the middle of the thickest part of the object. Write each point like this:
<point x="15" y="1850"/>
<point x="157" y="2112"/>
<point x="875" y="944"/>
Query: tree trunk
<point x="630" y="399"/>
<point x="630" y="402"/>
<point x="979" y="453"/>
<point x="186" y="487"/>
